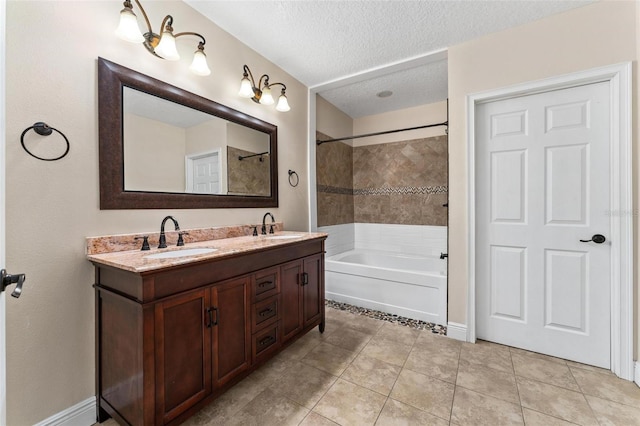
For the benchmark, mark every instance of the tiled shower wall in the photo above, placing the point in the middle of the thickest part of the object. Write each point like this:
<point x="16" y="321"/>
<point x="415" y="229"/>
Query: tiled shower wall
<point x="395" y="183"/>
<point x="334" y="176"/>
<point x="249" y="176"/>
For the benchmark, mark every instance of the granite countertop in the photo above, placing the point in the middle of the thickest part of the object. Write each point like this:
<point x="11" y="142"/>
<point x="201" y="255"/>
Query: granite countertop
<point x="137" y="260"/>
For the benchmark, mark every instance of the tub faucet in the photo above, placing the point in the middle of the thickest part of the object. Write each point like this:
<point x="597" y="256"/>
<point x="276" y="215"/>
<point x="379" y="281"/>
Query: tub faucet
<point x="264" y="225"/>
<point x="443" y="255"/>
<point x="163" y="239"/>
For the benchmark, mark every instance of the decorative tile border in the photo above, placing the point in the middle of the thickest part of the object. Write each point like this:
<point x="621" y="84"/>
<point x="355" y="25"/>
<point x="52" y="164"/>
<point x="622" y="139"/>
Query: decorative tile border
<point x="402" y="190"/>
<point x="383" y="316"/>
<point x="334" y="190"/>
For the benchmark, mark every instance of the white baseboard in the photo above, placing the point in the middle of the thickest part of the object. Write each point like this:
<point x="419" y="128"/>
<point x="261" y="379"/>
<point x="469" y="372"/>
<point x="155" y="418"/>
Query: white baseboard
<point x="637" y="375"/>
<point x="81" y="414"/>
<point x="457" y="331"/>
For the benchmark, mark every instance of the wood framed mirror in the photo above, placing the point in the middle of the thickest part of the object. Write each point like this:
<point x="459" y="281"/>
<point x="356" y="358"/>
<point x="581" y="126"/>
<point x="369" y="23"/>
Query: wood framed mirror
<point x="162" y="147"/>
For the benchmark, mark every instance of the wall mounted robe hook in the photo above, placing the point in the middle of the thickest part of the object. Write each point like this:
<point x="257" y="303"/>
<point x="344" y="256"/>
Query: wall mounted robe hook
<point x="43" y="129"/>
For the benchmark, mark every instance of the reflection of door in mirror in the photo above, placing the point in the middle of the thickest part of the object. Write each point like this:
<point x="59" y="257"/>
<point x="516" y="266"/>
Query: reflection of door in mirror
<point x="203" y="173"/>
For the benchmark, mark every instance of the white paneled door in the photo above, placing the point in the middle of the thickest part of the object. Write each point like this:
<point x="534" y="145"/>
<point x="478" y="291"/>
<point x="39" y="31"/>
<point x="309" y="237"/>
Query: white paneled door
<point x="206" y="175"/>
<point x="542" y="194"/>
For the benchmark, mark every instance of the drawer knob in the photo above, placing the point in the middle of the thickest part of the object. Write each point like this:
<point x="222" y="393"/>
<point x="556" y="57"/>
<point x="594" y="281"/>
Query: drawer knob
<point x="265" y="283"/>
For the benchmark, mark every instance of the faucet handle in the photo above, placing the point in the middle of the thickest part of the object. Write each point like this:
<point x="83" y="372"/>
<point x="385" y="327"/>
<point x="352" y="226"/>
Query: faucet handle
<point x="271" y="229"/>
<point x="180" y="240"/>
<point x="255" y="231"/>
<point x="145" y="242"/>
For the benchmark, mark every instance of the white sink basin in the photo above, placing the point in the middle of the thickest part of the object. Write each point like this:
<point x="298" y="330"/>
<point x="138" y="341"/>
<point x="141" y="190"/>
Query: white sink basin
<point x="283" y="237"/>
<point x="180" y="253"/>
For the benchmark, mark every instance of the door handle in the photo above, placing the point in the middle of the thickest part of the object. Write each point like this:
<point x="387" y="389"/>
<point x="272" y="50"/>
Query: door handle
<point x="8" y="279"/>
<point x="210" y="321"/>
<point x="597" y="238"/>
<point x="305" y="278"/>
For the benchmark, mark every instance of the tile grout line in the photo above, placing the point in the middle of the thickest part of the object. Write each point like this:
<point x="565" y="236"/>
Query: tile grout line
<point x="357" y="355"/>
<point x="583" y="395"/>
<point x="337" y="377"/>
<point x="455" y="385"/>
<point x="515" y="379"/>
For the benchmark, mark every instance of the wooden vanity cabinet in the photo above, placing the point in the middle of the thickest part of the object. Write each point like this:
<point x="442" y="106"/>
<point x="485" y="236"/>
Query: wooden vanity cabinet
<point x="302" y="286"/>
<point x="160" y="357"/>
<point x="191" y="331"/>
<point x="183" y="351"/>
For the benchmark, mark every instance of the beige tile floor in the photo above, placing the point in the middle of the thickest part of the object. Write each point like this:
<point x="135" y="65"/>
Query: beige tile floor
<point x="364" y="371"/>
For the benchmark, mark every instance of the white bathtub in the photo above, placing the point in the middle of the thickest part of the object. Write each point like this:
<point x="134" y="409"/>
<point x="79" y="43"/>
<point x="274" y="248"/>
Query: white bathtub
<point x="410" y="286"/>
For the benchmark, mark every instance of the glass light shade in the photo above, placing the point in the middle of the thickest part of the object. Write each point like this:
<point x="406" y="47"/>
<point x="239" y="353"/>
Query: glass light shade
<point x="246" y="88"/>
<point x="266" y="98"/>
<point x="283" y="104"/>
<point x="199" y="64"/>
<point x="167" y="47"/>
<point x="128" y="29"/>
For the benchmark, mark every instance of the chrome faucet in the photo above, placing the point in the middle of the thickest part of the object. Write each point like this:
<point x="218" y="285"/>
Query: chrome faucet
<point x="163" y="239"/>
<point x="264" y="225"/>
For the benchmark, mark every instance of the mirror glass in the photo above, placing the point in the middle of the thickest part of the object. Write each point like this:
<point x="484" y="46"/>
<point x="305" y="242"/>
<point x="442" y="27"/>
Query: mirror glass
<point x="171" y="148"/>
<point x="163" y="147"/>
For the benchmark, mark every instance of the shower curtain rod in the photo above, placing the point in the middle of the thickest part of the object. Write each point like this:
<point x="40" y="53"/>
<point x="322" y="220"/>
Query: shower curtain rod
<point x="444" y="123"/>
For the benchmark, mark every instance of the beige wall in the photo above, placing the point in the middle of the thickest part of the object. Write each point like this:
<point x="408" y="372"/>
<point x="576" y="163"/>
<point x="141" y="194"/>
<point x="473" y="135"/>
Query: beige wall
<point x="401" y="119"/>
<point x="600" y="34"/>
<point x="155" y="162"/>
<point x="51" y="69"/>
<point x="331" y="121"/>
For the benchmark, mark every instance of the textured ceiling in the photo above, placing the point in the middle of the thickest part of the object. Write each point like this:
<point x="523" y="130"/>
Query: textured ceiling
<point x="320" y="42"/>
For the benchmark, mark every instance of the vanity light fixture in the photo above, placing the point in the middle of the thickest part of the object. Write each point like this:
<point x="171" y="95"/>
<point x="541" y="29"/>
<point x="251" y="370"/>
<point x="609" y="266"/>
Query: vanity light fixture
<point x="248" y="89"/>
<point x="163" y="45"/>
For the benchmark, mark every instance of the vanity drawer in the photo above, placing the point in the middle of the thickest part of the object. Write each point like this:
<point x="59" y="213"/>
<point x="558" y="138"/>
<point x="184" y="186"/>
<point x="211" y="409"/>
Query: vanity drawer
<point x="265" y="284"/>
<point x="264" y="313"/>
<point x="265" y="342"/>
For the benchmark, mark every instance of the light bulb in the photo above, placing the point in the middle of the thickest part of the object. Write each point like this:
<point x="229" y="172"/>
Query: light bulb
<point x="266" y="98"/>
<point x="199" y="65"/>
<point x="283" y="103"/>
<point x="128" y="29"/>
<point x="246" y="88"/>
<point x="167" y="47"/>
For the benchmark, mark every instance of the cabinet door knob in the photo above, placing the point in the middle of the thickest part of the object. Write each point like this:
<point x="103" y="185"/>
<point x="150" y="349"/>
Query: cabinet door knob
<point x="305" y="278"/>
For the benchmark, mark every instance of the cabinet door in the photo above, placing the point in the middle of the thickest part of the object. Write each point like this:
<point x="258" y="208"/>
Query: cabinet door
<point x="231" y="329"/>
<point x="313" y="289"/>
<point x="291" y="306"/>
<point x="183" y="353"/>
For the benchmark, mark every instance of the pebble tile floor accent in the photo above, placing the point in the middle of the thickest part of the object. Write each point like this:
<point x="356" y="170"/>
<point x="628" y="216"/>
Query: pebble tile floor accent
<point x="367" y="369"/>
<point x="392" y="318"/>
